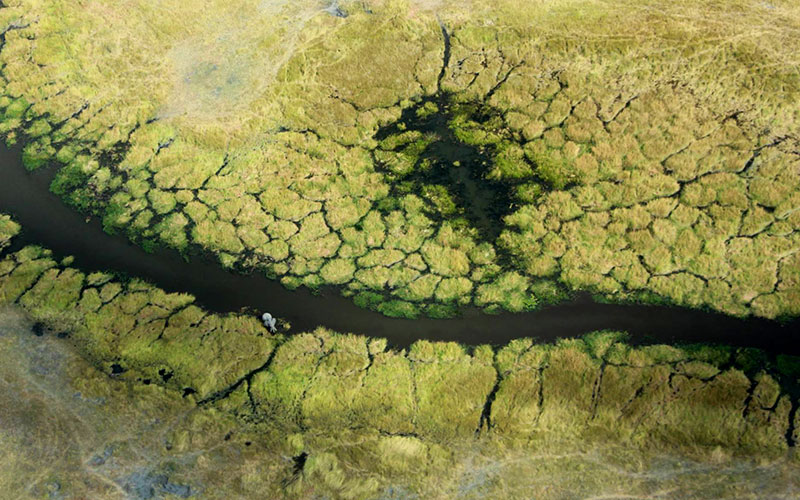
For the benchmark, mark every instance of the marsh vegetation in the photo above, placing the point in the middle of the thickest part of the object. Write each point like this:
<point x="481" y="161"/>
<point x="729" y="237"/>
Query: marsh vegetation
<point x="363" y="420"/>
<point x="660" y="166"/>
<point x="69" y="430"/>
<point x="422" y="157"/>
<point x="324" y="379"/>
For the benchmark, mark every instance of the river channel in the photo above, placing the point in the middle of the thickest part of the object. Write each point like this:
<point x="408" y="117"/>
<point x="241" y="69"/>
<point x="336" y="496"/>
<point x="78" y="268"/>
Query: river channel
<point x="48" y="222"/>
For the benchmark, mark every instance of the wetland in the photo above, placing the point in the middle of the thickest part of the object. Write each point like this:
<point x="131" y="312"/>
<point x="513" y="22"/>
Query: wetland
<point x="514" y="250"/>
<point x="47" y="221"/>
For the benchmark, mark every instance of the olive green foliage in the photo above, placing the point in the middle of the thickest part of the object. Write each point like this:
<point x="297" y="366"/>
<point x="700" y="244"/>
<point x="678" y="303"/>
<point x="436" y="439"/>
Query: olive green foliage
<point x="8" y="229"/>
<point x="162" y="337"/>
<point x="368" y="419"/>
<point x="71" y="431"/>
<point x="650" y="159"/>
<point x="598" y="387"/>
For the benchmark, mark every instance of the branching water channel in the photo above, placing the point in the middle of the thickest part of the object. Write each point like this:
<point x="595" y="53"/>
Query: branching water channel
<point x="48" y="222"/>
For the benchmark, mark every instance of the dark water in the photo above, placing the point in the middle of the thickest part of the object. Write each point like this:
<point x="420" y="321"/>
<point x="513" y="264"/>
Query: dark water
<point x="48" y="222"/>
<point x="446" y="162"/>
<point x="441" y="159"/>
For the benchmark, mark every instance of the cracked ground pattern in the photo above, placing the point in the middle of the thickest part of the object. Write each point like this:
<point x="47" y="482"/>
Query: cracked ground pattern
<point x="67" y="430"/>
<point x="342" y="415"/>
<point x="447" y="159"/>
<point x="422" y="156"/>
<point x="740" y="397"/>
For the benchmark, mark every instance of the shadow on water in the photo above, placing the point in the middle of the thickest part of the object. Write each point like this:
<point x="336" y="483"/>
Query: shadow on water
<point x="48" y="222"/>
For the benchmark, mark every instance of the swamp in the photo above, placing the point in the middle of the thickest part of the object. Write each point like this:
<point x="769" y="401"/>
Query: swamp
<point x="390" y="249"/>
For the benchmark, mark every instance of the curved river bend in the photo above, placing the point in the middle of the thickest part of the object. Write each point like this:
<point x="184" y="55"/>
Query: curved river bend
<point x="47" y="221"/>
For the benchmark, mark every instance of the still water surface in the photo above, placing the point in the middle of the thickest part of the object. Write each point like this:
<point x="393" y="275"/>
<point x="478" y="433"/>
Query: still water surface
<point x="48" y="222"/>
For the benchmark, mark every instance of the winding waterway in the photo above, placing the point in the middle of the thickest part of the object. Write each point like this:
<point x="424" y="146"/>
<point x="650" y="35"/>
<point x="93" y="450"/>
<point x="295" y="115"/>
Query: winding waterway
<point x="48" y="222"/>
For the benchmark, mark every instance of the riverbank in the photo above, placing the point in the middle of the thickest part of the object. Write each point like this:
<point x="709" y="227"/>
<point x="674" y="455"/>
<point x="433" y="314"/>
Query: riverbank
<point x="136" y="331"/>
<point x="152" y="401"/>
<point x="48" y="222"/>
<point x="71" y="431"/>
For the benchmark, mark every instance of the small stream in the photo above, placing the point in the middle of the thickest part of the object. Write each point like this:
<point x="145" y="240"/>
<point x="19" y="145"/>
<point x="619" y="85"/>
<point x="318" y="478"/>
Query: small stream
<point x="48" y="222"/>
